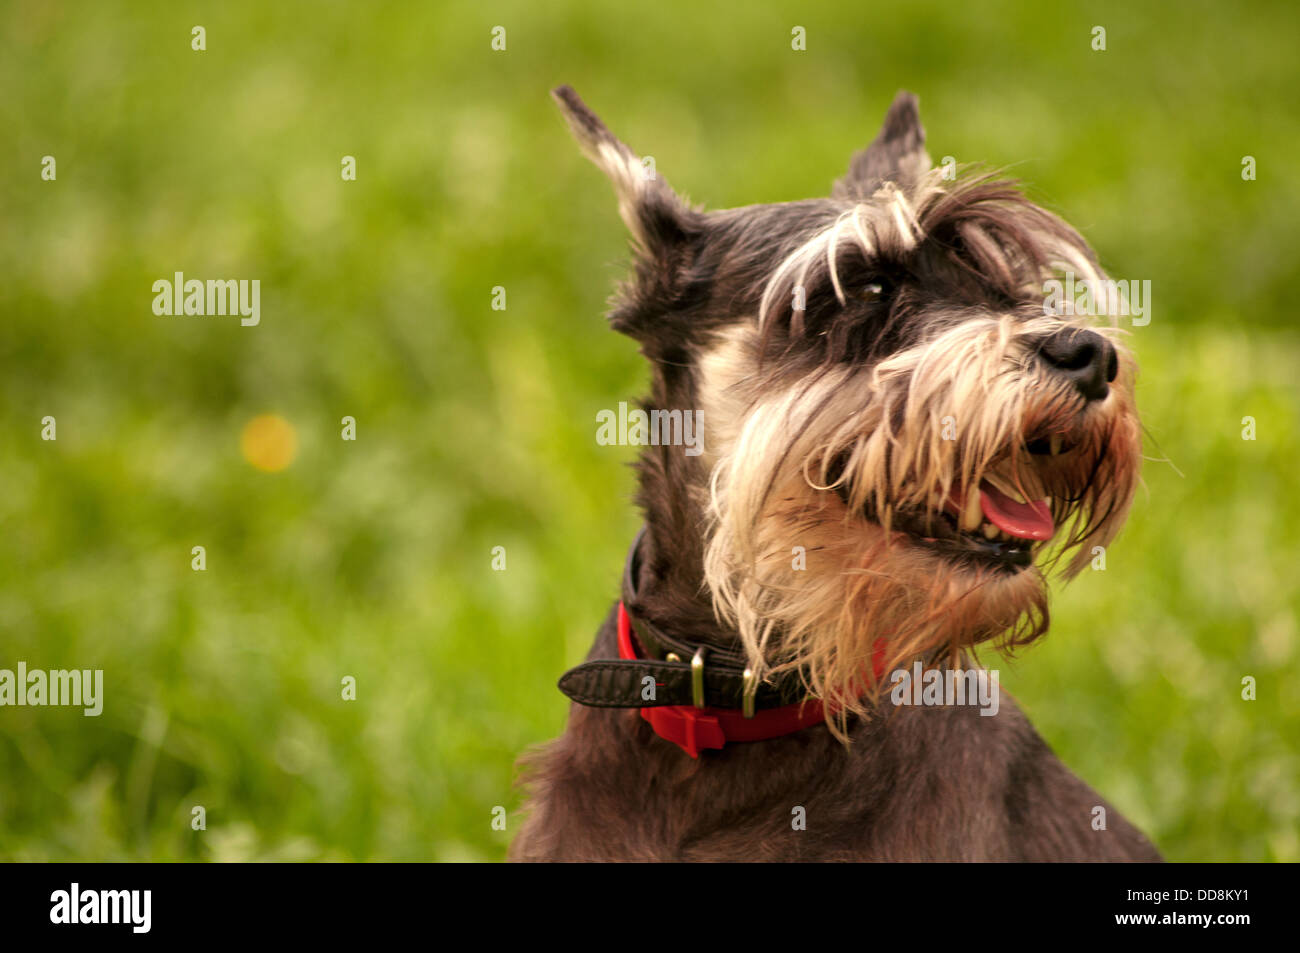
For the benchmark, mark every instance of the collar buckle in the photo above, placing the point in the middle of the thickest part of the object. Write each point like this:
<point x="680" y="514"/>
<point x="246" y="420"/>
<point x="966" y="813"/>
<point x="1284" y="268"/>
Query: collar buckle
<point x="697" y="678"/>
<point x="747" y="695"/>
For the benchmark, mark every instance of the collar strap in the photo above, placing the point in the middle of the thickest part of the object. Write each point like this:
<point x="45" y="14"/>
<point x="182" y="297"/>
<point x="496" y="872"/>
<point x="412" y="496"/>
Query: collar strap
<point x="694" y="727"/>
<point x="696" y="696"/>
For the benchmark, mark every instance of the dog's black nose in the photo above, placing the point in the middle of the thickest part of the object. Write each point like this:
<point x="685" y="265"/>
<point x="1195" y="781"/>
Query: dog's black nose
<point x="1085" y="357"/>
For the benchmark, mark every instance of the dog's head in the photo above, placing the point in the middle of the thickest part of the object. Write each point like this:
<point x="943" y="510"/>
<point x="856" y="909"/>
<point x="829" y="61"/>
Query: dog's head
<point x="899" y="435"/>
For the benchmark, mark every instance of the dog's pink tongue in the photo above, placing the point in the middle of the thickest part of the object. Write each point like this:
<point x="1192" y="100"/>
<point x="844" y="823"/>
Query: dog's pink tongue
<point x="1027" y="520"/>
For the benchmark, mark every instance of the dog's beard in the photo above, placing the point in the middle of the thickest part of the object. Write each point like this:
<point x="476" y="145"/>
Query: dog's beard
<point x="836" y="507"/>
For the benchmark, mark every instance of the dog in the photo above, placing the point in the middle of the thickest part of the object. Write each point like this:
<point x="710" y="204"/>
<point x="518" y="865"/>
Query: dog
<point x="901" y="440"/>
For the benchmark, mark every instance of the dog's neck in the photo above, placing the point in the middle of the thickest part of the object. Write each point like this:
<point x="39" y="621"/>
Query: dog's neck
<point x="668" y="584"/>
<point x="672" y="495"/>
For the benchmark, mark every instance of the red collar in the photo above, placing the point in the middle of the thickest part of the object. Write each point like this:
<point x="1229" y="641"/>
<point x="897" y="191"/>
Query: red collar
<point x="693" y="729"/>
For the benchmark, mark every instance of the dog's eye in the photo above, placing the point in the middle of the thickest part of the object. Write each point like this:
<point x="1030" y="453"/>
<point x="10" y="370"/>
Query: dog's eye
<point x="875" y="290"/>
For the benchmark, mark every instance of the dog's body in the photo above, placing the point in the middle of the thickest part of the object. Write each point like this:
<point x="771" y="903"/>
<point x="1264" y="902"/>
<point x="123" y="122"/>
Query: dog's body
<point x="894" y="431"/>
<point x="915" y="784"/>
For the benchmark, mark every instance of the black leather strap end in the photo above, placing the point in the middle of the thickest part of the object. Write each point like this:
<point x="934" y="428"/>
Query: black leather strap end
<point x="621" y="683"/>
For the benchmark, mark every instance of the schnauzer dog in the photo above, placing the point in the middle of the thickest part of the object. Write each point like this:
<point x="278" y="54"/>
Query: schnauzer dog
<point x="900" y="439"/>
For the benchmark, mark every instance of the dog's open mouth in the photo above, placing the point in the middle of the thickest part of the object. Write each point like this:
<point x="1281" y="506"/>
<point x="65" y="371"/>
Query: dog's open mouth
<point x="1000" y="522"/>
<point x="994" y="522"/>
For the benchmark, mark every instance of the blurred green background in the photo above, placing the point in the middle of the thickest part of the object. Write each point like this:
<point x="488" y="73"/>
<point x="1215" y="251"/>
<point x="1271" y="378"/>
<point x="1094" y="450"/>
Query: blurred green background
<point x="475" y="427"/>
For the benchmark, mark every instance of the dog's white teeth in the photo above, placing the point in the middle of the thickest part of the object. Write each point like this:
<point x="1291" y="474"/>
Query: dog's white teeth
<point x="973" y="514"/>
<point x="990" y="531"/>
<point x="1054" y="444"/>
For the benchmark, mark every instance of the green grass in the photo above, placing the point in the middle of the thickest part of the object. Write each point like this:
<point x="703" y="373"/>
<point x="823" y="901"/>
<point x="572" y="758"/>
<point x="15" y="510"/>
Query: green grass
<point x="475" y="427"/>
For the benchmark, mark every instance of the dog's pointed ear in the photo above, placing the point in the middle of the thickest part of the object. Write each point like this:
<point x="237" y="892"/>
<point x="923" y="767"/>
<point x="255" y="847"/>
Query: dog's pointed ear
<point x="657" y="217"/>
<point x="897" y="154"/>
